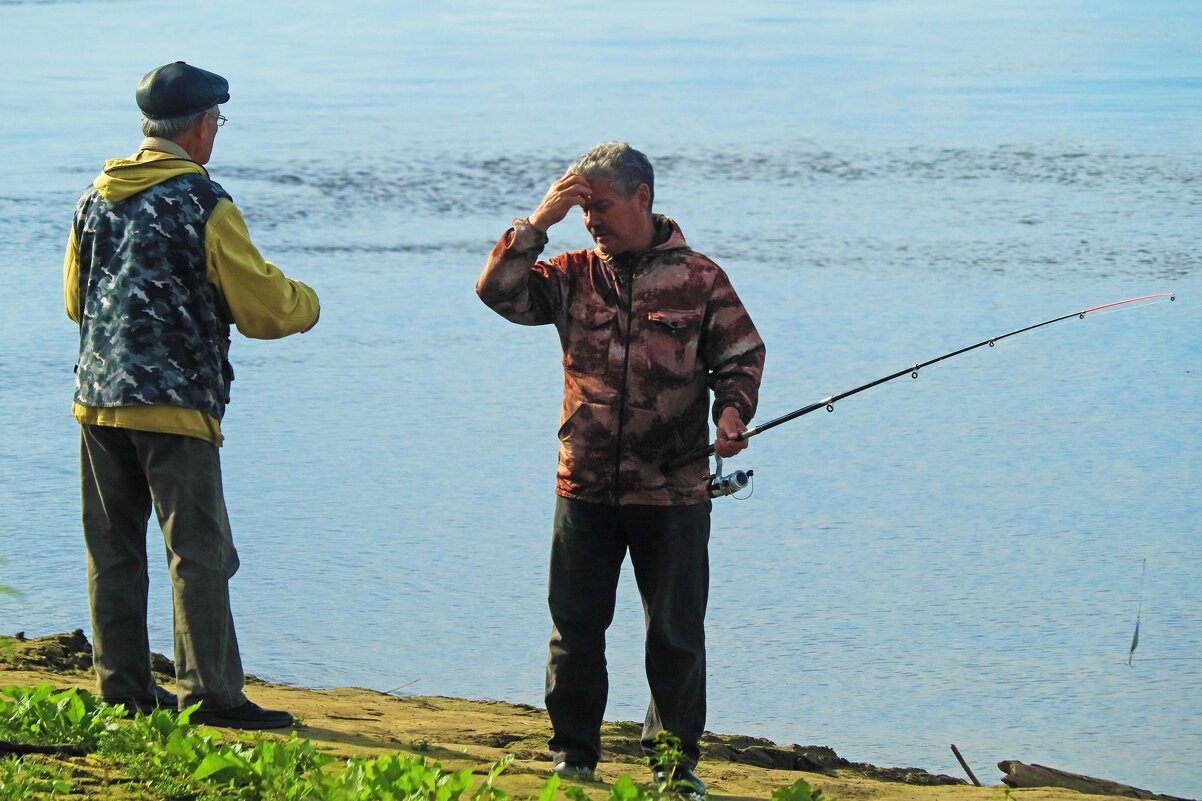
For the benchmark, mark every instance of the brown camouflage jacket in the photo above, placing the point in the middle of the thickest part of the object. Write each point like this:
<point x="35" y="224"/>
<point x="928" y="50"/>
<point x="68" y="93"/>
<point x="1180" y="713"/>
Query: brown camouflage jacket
<point x="642" y="336"/>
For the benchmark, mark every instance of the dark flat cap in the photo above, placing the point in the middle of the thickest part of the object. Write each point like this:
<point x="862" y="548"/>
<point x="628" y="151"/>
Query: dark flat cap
<point x="178" y="89"/>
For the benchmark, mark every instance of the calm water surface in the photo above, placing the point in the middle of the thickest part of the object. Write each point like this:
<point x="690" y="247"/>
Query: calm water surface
<point x="952" y="559"/>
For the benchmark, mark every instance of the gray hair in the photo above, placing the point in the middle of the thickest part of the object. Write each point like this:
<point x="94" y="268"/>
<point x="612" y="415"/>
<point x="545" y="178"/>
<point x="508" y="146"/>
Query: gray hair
<point x="620" y="163"/>
<point x="173" y="127"/>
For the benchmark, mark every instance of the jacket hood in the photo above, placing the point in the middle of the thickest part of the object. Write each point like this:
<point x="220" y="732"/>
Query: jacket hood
<point x="670" y="237"/>
<point x="151" y="165"/>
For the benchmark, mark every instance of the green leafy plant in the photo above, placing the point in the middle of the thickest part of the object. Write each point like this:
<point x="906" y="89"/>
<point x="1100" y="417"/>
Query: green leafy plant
<point x="550" y="788"/>
<point x="572" y="791"/>
<point x="799" y="790"/>
<point x="397" y="777"/>
<point x="269" y="769"/>
<point x="624" y="789"/>
<point x="180" y="759"/>
<point x="43" y="715"/>
<point x="667" y="758"/>
<point x="488" y="791"/>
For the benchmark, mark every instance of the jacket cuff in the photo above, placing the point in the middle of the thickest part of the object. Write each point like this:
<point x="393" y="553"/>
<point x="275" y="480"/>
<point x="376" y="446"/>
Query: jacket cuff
<point x="721" y="406"/>
<point x="527" y="237"/>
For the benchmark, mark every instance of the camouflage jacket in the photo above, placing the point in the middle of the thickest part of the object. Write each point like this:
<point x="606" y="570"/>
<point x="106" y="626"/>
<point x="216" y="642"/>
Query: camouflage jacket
<point x="642" y="338"/>
<point x="152" y="330"/>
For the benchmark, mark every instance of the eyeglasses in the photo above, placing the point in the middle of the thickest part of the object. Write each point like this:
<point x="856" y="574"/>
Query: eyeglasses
<point x="220" y="120"/>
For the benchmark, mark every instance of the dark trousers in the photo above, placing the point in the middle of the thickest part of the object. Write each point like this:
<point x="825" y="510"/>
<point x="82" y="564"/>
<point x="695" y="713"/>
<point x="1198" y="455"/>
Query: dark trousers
<point x="124" y="474"/>
<point x="669" y="550"/>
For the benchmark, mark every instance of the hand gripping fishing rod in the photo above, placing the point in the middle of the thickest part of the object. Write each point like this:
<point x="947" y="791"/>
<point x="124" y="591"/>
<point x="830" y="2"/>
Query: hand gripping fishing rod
<point x="829" y="403"/>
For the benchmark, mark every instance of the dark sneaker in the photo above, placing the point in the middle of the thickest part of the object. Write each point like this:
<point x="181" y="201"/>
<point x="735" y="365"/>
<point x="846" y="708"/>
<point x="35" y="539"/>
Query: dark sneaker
<point x="145" y="704"/>
<point x="248" y="716"/>
<point x="684" y="782"/>
<point x="574" y="771"/>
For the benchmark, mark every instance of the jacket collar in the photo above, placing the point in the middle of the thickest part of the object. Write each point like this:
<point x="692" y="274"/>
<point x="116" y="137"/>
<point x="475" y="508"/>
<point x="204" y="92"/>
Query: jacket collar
<point x="668" y="236"/>
<point x="164" y="146"/>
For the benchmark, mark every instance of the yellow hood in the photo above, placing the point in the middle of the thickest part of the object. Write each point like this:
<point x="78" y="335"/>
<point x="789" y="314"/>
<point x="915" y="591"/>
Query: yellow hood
<point x="122" y="178"/>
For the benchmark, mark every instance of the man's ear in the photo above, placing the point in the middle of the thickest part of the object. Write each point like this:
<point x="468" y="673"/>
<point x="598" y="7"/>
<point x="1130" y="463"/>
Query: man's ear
<point x="643" y="195"/>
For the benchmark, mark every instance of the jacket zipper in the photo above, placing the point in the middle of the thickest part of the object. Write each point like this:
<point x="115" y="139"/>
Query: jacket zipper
<point x="625" y="378"/>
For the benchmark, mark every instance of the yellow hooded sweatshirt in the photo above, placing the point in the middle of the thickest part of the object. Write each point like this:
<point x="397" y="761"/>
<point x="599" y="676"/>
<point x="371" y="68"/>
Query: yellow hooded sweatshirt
<point x="264" y="303"/>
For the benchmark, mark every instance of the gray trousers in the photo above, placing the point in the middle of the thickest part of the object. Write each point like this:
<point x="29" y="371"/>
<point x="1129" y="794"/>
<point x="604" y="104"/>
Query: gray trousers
<point x="124" y="473"/>
<point x="669" y="551"/>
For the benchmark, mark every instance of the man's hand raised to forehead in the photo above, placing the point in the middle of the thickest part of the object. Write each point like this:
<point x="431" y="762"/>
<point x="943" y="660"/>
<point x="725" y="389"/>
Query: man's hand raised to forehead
<point x="570" y="190"/>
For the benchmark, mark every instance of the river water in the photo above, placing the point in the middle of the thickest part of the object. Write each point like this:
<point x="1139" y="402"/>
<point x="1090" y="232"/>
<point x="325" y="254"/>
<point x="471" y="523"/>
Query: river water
<point x="952" y="559"/>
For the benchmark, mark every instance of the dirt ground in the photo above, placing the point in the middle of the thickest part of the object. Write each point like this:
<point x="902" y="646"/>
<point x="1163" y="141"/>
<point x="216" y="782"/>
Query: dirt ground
<point x="458" y="733"/>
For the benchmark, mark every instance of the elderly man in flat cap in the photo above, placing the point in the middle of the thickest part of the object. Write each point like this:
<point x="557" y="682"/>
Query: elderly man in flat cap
<point x="159" y="264"/>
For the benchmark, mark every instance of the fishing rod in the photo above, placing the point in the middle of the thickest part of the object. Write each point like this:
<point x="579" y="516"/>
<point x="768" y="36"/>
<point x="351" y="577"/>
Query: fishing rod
<point x="725" y="485"/>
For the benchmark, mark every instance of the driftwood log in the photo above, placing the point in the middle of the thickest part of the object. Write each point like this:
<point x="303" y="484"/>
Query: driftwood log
<point x="1018" y="775"/>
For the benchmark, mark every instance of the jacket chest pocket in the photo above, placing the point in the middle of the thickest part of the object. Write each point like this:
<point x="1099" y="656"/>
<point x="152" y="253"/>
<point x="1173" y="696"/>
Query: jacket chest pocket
<point x="672" y="339"/>
<point x="588" y="338"/>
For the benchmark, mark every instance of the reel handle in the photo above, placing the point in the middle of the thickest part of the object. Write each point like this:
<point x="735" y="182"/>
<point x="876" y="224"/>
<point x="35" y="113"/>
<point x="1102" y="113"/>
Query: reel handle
<point x="723" y="485"/>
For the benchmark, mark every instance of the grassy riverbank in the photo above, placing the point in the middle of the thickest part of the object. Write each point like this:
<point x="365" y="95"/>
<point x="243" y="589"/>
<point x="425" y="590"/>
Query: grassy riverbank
<point x="377" y="732"/>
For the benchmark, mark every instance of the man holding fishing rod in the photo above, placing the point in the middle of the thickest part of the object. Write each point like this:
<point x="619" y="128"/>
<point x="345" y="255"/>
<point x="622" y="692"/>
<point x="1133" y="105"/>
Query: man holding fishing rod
<point x="158" y="265"/>
<point x="646" y="325"/>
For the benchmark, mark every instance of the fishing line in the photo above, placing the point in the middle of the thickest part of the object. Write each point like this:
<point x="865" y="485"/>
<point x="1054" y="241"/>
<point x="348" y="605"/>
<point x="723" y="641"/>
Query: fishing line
<point x="1020" y="335"/>
<point x="1138" y="614"/>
